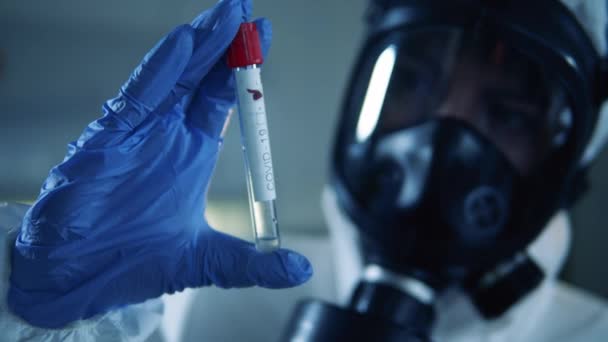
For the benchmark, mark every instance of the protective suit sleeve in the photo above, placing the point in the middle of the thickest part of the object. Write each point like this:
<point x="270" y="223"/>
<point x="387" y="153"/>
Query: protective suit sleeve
<point x="132" y="323"/>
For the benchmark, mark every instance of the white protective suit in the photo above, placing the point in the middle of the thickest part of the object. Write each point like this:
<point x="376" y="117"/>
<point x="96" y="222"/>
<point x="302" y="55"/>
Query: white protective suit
<point x="553" y="312"/>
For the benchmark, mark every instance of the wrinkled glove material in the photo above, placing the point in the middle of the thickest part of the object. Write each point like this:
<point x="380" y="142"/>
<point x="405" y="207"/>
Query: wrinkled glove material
<point x="134" y="323"/>
<point x="121" y="219"/>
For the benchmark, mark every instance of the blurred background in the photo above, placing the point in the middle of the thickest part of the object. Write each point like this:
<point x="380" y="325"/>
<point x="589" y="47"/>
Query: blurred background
<point x="59" y="60"/>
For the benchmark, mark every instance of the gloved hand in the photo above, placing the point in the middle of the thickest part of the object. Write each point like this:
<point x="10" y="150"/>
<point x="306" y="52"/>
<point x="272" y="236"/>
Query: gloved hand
<point x="121" y="219"/>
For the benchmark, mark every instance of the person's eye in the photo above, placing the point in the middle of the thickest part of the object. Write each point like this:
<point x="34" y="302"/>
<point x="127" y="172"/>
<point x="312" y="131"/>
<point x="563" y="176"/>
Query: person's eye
<point x="513" y="118"/>
<point x="406" y="80"/>
<point x="415" y="76"/>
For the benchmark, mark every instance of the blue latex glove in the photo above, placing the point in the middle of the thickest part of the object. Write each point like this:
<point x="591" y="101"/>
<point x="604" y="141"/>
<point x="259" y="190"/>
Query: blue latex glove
<point x="121" y="219"/>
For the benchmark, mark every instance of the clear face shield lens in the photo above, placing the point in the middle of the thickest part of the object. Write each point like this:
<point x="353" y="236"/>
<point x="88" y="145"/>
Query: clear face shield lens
<point x="476" y="77"/>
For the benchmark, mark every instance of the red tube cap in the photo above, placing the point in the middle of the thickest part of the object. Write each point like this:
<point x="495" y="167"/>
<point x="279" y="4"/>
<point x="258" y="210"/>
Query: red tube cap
<point x="246" y="48"/>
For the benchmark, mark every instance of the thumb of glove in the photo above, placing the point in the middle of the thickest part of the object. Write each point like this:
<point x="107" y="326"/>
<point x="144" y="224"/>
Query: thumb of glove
<point x="231" y="262"/>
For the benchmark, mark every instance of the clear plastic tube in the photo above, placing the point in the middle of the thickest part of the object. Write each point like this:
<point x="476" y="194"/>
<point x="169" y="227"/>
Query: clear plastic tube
<point x="255" y="143"/>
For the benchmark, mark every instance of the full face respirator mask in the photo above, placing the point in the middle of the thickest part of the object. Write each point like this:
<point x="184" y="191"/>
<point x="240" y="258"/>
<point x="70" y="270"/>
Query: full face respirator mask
<point x="461" y="133"/>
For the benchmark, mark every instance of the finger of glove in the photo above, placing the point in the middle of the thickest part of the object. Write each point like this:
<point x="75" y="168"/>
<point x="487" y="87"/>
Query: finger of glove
<point x="152" y="79"/>
<point x="244" y="6"/>
<point x="155" y="77"/>
<point x="214" y="30"/>
<point x="140" y="95"/>
<point x="209" y="106"/>
<point x="232" y="262"/>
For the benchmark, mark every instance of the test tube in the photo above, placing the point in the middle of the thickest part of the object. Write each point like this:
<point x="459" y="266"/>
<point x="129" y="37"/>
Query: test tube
<point x="245" y="58"/>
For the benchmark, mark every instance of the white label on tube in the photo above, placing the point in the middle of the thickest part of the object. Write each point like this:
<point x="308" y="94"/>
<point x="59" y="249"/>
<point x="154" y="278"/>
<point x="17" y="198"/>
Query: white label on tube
<point x="254" y="131"/>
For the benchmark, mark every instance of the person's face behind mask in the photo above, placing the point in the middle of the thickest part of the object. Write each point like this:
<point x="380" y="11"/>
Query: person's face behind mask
<point x="495" y="89"/>
<point x="447" y="131"/>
